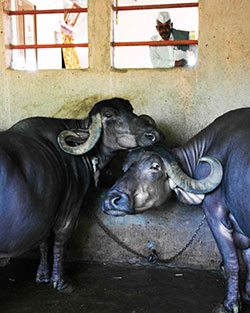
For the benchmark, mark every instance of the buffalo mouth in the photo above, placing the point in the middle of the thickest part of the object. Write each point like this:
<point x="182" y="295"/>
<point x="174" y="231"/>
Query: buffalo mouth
<point x="117" y="203"/>
<point x="115" y="213"/>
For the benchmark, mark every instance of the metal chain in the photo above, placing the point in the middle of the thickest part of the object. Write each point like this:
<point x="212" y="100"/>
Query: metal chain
<point x="187" y="245"/>
<point x="115" y="238"/>
<point x="155" y="258"/>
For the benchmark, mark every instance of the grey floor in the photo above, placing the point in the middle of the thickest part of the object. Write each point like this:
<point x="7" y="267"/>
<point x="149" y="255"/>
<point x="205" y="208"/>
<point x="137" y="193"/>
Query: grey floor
<point x="101" y="288"/>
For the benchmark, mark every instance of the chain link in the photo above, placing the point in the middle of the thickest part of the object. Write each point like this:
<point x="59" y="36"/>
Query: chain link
<point x="159" y="260"/>
<point x="187" y="245"/>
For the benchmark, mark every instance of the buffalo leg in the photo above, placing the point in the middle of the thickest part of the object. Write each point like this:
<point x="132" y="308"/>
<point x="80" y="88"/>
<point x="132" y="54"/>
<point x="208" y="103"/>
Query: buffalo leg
<point x="63" y="230"/>
<point x="43" y="272"/>
<point x="222" y="233"/>
<point x="58" y="280"/>
<point x="246" y="258"/>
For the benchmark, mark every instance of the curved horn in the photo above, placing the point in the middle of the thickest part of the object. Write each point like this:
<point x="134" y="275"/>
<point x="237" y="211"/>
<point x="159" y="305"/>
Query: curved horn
<point x="189" y="184"/>
<point x="94" y="134"/>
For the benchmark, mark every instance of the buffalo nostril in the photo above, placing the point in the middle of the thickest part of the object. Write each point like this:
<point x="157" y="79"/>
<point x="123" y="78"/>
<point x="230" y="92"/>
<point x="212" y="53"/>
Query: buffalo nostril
<point x="115" y="201"/>
<point x="150" y="136"/>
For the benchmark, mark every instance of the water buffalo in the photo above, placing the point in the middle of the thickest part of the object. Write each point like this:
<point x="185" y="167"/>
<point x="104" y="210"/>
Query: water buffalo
<point x="151" y="174"/>
<point x="47" y="165"/>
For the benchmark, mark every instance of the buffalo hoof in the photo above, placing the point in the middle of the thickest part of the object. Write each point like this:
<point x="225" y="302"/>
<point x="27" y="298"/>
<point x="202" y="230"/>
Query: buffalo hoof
<point x="42" y="278"/>
<point x="62" y="286"/>
<point x="221" y="309"/>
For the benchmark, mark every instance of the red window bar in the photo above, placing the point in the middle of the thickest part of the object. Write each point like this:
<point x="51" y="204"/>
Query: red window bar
<point x="56" y="11"/>
<point x="150" y="7"/>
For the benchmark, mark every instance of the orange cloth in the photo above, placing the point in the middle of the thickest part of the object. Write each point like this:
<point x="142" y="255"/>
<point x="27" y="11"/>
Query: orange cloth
<point x="69" y="54"/>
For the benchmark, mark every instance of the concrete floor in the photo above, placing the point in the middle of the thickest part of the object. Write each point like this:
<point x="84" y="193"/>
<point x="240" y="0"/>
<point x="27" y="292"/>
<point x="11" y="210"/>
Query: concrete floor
<point x="101" y="288"/>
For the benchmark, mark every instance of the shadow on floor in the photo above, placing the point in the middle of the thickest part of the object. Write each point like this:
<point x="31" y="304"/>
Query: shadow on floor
<point x="111" y="289"/>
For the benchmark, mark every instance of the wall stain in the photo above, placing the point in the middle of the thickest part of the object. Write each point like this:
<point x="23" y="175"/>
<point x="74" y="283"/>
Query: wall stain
<point x="77" y="109"/>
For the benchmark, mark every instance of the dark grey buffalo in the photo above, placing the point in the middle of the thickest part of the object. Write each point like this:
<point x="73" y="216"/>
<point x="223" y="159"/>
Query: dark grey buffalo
<point x="46" y="167"/>
<point x="151" y="175"/>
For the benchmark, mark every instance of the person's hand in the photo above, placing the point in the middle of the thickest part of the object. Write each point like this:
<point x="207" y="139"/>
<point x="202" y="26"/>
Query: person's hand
<point x="181" y="62"/>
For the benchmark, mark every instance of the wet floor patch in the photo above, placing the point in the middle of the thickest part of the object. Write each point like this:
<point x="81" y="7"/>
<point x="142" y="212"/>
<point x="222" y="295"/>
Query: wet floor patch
<point x="103" y="288"/>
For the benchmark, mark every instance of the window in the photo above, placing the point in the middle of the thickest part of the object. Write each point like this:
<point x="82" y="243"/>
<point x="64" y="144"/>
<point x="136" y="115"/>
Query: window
<point x="46" y="36"/>
<point x="133" y="26"/>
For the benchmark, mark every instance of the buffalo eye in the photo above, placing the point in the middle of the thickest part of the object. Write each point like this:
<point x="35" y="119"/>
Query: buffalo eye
<point x="108" y="115"/>
<point x="155" y="166"/>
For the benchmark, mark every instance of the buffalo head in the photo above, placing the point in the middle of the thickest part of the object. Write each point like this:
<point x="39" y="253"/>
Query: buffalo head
<point x="118" y="127"/>
<point x="150" y="175"/>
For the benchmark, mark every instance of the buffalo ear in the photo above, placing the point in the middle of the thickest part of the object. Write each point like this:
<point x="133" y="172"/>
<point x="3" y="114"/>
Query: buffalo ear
<point x="126" y="166"/>
<point x="185" y="196"/>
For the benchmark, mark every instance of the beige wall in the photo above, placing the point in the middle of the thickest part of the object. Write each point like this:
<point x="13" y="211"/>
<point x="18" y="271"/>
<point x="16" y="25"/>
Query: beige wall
<point x="181" y="100"/>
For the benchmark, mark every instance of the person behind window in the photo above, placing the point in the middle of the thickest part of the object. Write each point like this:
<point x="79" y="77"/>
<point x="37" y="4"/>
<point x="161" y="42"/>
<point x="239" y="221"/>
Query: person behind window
<point x="169" y="56"/>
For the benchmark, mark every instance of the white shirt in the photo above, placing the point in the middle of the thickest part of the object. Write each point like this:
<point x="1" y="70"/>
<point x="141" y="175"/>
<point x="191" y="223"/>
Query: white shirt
<point x="165" y="56"/>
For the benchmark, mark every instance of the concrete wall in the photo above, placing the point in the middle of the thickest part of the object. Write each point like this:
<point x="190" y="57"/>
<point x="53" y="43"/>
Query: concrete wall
<point x="169" y="228"/>
<point x="182" y="100"/>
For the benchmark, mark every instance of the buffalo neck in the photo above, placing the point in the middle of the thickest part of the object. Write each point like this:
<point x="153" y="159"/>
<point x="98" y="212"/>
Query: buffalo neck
<point x="190" y="153"/>
<point x="103" y="154"/>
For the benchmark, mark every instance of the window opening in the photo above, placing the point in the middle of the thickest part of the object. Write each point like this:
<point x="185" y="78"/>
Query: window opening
<point x="49" y="34"/>
<point x="134" y="26"/>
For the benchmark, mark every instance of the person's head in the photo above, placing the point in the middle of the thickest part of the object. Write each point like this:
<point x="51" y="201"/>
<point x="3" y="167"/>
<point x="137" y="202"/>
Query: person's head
<point x="164" y="25"/>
